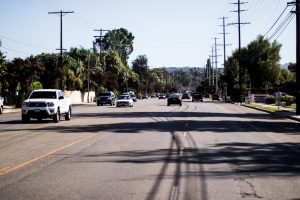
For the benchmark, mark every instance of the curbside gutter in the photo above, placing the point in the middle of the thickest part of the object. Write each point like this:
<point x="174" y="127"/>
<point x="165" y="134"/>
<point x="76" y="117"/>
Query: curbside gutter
<point x="284" y="114"/>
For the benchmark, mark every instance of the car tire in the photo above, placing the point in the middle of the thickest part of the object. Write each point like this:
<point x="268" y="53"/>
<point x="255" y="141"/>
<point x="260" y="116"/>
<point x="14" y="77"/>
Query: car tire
<point x="68" y="114"/>
<point x="25" y="118"/>
<point x="56" y="117"/>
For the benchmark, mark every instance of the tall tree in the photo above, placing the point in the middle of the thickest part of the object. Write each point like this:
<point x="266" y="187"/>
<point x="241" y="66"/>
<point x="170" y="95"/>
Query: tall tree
<point x="3" y="72"/>
<point x="140" y="66"/>
<point x="118" y="40"/>
<point x="262" y="61"/>
<point x="259" y="62"/>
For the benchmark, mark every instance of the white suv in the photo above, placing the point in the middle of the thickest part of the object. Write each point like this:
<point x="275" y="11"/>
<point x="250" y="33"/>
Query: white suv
<point x="46" y="103"/>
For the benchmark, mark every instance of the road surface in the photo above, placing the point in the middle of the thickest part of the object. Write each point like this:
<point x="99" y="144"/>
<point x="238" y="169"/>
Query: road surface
<point x="200" y="150"/>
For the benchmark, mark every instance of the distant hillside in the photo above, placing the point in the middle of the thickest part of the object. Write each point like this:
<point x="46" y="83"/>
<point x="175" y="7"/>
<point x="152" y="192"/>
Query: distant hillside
<point x="185" y="69"/>
<point x="285" y="66"/>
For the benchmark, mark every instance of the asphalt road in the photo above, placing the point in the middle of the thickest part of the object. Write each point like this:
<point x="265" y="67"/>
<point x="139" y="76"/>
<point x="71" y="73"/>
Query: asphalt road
<point x="201" y="150"/>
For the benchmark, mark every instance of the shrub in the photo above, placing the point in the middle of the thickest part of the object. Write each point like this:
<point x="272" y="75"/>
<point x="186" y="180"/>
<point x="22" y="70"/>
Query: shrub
<point x="270" y="99"/>
<point x="36" y="85"/>
<point x="102" y="89"/>
<point x="289" y="100"/>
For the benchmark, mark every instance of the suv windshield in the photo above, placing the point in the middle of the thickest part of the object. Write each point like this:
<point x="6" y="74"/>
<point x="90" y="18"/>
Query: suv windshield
<point x="43" y="95"/>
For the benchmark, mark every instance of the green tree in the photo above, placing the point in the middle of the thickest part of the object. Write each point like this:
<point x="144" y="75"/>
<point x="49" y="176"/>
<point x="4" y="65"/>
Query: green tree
<point x="262" y="61"/>
<point x="118" y="40"/>
<point x="292" y="67"/>
<point x="259" y="64"/>
<point x="3" y="72"/>
<point x="140" y="67"/>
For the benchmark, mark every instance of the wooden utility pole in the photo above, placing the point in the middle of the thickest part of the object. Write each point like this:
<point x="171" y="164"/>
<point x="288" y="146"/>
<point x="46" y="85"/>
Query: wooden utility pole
<point x="239" y="23"/>
<point x="298" y="56"/>
<point x="61" y="14"/>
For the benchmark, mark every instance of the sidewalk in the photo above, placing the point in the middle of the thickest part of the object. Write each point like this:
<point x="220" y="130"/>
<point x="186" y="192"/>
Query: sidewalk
<point x="281" y="112"/>
<point x="10" y="109"/>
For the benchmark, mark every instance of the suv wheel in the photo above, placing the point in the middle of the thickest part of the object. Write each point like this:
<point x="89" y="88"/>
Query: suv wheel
<point x="68" y="115"/>
<point x="25" y="118"/>
<point x="56" y="117"/>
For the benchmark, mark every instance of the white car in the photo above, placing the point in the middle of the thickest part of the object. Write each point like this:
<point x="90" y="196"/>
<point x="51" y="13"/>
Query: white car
<point x="125" y="100"/>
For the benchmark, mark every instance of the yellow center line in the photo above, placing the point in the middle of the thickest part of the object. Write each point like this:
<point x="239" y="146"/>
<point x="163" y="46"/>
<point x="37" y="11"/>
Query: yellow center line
<point x="3" y="169"/>
<point x="8" y="170"/>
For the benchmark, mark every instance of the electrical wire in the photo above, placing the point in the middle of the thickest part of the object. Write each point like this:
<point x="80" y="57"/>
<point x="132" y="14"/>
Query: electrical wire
<point x="23" y="43"/>
<point x="282" y="24"/>
<point x="276" y="20"/>
<point x="13" y="50"/>
<point x="291" y="18"/>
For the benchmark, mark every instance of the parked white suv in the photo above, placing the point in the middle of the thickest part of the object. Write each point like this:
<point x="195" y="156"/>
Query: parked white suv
<point x="46" y="103"/>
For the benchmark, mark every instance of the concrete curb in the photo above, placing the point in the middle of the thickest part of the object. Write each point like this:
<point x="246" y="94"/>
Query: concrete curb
<point x="275" y="113"/>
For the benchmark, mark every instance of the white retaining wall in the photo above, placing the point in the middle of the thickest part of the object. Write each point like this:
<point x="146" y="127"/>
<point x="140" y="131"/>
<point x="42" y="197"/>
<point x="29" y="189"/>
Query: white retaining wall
<point x="80" y="97"/>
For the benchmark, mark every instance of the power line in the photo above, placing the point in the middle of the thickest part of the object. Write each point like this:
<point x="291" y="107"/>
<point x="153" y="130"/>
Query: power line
<point x="282" y="24"/>
<point x="13" y="50"/>
<point x="276" y="20"/>
<point x="291" y="18"/>
<point x="24" y="43"/>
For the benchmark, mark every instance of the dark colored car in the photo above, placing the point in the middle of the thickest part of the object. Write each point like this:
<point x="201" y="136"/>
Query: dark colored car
<point x="197" y="97"/>
<point x="174" y="99"/>
<point x="161" y="96"/>
<point x="215" y="97"/>
<point x="105" y="98"/>
<point x="186" y="96"/>
<point x="145" y="96"/>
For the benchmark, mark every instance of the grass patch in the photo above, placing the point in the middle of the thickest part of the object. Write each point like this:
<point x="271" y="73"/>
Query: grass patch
<point x="265" y="107"/>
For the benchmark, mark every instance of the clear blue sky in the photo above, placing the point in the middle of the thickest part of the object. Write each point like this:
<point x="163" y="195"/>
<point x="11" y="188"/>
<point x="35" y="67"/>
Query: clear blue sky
<point x="168" y="32"/>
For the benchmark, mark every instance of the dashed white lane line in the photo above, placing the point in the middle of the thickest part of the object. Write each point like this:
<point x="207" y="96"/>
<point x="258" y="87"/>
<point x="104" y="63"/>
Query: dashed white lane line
<point x="174" y="194"/>
<point x="181" y="152"/>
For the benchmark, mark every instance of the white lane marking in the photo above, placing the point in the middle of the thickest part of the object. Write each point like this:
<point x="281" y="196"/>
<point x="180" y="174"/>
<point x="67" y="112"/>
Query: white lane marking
<point x="184" y="133"/>
<point x="181" y="152"/>
<point x="174" y="194"/>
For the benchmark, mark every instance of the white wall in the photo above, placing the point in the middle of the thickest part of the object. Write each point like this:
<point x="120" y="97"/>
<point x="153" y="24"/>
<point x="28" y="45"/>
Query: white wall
<point x="79" y="97"/>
